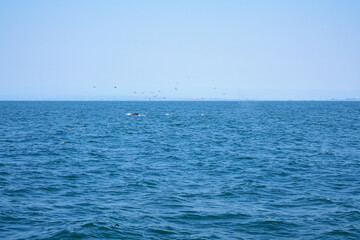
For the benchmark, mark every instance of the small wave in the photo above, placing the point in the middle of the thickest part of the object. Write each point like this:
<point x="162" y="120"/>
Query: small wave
<point x="339" y="233"/>
<point x="222" y="216"/>
<point x="62" y="234"/>
<point x="161" y="231"/>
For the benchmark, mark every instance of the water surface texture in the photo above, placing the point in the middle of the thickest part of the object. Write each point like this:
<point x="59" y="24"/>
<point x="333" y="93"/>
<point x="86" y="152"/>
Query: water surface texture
<point x="185" y="170"/>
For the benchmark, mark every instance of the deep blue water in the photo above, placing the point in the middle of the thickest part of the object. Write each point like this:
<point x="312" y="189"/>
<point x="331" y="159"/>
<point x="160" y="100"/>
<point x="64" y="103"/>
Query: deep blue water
<point x="186" y="170"/>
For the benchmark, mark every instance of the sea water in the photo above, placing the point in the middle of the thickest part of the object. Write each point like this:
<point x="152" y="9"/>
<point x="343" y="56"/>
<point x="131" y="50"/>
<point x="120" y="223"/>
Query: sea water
<point x="183" y="170"/>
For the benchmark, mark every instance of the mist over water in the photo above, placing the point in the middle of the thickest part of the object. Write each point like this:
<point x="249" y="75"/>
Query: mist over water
<point x="185" y="170"/>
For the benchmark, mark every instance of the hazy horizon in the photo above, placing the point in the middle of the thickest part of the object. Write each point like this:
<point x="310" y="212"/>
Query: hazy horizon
<point x="203" y="50"/>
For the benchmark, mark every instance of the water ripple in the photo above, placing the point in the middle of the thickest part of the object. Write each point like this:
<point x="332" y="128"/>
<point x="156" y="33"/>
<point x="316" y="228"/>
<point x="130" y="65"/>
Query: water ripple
<point x="185" y="170"/>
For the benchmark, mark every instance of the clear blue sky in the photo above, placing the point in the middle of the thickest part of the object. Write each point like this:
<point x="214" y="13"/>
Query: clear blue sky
<point x="254" y="49"/>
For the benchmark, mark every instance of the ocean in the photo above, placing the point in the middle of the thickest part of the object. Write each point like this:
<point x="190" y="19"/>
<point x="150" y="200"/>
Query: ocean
<point x="184" y="170"/>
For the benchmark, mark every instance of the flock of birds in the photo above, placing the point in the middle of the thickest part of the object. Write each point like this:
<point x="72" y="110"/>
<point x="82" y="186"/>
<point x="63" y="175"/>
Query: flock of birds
<point x="157" y="97"/>
<point x="158" y="92"/>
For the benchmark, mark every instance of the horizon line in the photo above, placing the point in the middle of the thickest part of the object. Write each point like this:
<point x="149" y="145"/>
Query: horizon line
<point x="186" y="100"/>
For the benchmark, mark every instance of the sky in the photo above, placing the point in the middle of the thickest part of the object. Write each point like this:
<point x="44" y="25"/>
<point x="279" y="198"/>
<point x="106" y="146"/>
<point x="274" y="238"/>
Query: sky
<point x="190" y="49"/>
